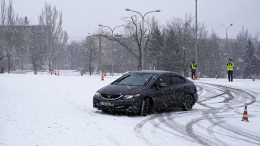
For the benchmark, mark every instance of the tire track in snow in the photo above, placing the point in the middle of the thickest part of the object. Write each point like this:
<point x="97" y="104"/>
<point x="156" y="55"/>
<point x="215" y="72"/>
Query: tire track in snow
<point x="218" y="122"/>
<point x="154" y="132"/>
<point x="138" y="129"/>
<point x="228" y="127"/>
<point x="187" y="130"/>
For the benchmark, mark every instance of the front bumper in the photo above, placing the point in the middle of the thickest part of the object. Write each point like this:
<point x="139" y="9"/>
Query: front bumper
<point x="128" y="105"/>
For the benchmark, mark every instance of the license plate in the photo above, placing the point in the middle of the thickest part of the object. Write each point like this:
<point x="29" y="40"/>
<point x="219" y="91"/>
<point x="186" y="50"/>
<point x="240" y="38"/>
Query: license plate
<point x="106" y="104"/>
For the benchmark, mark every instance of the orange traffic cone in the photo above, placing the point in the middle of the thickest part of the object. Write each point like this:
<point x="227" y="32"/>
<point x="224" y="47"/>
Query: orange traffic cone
<point x="51" y="72"/>
<point x="253" y="78"/>
<point x="199" y="76"/>
<point x="105" y="74"/>
<point x="245" y="116"/>
<point x="102" y="78"/>
<point x="55" y="73"/>
<point x="58" y="73"/>
<point x="193" y="78"/>
<point x="81" y="74"/>
<point x="216" y="77"/>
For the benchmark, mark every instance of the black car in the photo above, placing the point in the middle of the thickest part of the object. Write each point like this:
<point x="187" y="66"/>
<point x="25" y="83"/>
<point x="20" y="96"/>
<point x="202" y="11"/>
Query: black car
<point x="2" y="69"/>
<point x="145" y="92"/>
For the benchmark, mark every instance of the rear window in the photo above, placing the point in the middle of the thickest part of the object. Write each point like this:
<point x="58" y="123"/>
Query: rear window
<point x="177" y="80"/>
<point x="165" y="79"/>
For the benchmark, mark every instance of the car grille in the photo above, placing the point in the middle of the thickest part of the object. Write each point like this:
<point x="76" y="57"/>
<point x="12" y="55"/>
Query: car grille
<point x="110" y="97"/>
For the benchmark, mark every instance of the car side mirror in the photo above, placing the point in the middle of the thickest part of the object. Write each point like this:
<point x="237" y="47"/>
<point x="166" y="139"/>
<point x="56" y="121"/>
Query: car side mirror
<point x="162" y="85"/>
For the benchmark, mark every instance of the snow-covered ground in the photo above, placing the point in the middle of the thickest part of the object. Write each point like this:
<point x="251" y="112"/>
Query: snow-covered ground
<point x="46" y="110"/>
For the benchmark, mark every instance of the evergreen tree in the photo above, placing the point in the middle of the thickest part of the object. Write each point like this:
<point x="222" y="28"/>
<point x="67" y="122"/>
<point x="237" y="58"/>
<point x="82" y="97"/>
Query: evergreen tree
<point x="250" y="62"/>
<point x="171" y="53"/>
<point x="155" y="45"/>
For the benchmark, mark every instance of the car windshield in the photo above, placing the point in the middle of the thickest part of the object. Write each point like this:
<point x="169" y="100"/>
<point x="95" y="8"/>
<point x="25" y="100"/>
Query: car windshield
<point x="134" y="79"/>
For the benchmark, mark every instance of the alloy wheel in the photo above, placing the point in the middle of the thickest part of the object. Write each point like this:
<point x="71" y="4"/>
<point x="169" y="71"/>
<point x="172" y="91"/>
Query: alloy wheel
<point x="188" y="103"/>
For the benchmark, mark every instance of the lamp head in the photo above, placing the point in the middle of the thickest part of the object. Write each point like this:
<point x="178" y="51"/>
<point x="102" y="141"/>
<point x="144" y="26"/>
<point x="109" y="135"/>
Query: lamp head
<point x="127" y="9"/>
<point x="158" y="10"/>
<point x="231" y="24"/>
<point x="100" y="25"/>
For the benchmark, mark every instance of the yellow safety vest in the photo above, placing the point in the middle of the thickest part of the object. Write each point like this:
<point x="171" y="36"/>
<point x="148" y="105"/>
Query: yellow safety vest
<point x="193" y="66"/>
<point x="230" y="66"/>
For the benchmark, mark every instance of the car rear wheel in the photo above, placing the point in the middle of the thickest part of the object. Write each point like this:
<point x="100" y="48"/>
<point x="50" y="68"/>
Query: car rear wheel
<point x="188" y="102"/>
<point x="144" y="107"/>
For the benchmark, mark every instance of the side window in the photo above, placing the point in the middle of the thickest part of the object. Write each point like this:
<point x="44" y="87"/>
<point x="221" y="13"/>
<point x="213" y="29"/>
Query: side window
<point x="177" y="80"/>
<point x="165" y="79"/>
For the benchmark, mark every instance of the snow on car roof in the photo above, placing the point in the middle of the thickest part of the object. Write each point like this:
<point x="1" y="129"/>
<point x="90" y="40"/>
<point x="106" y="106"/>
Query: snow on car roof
<point x="155" y="72"/>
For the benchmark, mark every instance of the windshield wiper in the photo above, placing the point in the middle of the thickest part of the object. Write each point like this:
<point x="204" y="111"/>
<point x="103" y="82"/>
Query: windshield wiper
<point x="148" y="81"/>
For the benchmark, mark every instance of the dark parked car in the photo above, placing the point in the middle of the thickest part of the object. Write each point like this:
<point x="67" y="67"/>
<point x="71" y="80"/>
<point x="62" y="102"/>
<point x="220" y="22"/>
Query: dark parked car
<point x="204" y="76"/>
<point x="145" y="92"/>
<point x="2" y="69"/>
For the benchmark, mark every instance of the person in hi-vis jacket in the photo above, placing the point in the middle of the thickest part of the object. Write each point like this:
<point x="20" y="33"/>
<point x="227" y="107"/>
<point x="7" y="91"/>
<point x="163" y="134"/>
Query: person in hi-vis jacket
<point x="193" y="67"/>
<point x="230" y="66"/>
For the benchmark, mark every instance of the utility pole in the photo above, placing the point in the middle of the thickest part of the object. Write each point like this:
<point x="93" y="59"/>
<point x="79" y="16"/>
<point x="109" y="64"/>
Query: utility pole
<point x="100" y="61"/>
<point x="196" y="43"/>
<point x="184" y="69"/>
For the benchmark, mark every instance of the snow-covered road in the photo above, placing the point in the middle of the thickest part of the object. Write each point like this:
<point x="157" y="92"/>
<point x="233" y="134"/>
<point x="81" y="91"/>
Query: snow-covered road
<point x="57" y="110"/>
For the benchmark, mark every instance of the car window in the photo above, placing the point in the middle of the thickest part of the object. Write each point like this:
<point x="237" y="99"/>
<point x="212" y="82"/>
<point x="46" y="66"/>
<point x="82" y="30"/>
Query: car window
<point x="134" y="79"/>
<point x="165" y="79"/>
<point x="177" y="80"/>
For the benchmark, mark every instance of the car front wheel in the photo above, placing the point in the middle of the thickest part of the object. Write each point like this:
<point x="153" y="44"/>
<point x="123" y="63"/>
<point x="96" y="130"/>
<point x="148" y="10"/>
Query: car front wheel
<point x="144" y="107"/>
<point x="188" y="102"/>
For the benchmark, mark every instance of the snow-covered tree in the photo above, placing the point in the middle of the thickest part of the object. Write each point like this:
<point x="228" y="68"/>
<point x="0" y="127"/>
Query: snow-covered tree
<point x="57" y="38"/>
<point x="155" y="46"/>
<point x="8" y="32"/>
<point x="250" y="61"/>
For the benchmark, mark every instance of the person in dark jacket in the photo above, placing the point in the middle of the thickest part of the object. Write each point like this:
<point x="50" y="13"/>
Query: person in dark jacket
<point x="193" y="67"/>
<point x="230" y="66"/>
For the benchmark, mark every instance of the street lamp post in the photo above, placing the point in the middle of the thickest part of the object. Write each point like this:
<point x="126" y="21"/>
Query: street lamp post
<point x="142" y="44"/>
<point x="227" y="38"/>
<point x="100" y="63"/>
<point x="184" y="69"/>
<point x="112" y="30"/>
<point x="196" y="41"/>
<point x="225" y="73"/>
<point x="227" y="50"/>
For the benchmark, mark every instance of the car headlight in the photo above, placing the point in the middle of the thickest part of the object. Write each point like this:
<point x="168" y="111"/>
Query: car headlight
<point x="130" y="96"/>
<point x="98" y="94"/>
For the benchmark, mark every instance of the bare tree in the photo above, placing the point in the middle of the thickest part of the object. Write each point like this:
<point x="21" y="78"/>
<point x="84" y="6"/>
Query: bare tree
<point x="91" y="53"/>
<point x="37" y="49"/>
<point x="57" y="38"/>
<point x="3" y="18"/>
<point x="134" y="33"/>
<point x="9" y="32"/>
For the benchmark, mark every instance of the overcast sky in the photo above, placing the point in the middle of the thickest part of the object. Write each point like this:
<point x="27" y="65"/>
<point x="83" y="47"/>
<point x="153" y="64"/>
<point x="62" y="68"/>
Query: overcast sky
<point x="81" y="17"/>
